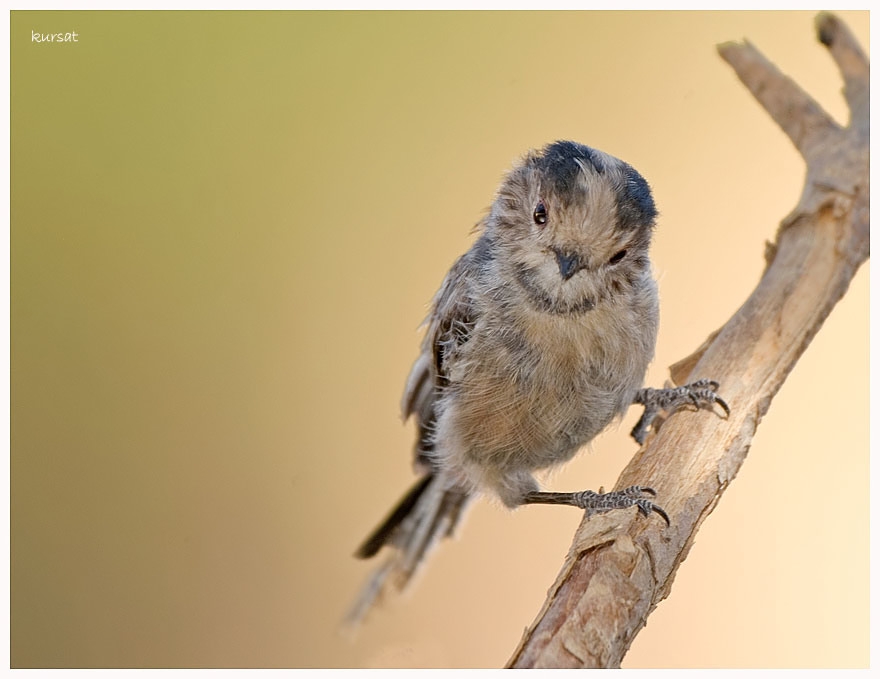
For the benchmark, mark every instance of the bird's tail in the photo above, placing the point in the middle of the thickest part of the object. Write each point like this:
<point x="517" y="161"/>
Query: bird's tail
<point x="429" y="512"/>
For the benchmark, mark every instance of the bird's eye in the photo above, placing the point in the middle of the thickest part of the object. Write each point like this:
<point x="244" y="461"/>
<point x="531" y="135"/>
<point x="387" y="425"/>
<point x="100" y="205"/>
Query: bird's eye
<point x="617" y="257"/>
<point x="540" y="213"/>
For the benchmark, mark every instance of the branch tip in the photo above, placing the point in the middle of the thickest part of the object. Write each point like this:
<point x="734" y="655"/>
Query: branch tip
<point x="825" y="28"/>
<point x="851" y="61"/>
<point x="596" y="606"/>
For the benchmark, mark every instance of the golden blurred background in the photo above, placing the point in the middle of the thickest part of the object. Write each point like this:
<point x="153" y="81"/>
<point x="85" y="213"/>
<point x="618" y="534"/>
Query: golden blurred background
<point x="226" y="229"/>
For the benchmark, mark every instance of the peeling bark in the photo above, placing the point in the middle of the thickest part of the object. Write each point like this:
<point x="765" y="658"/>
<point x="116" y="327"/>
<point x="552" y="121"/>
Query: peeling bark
<point x="619" y="566"/>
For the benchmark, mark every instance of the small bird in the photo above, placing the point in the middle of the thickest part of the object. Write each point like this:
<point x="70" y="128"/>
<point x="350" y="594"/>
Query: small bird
<point x="539" y="337"/>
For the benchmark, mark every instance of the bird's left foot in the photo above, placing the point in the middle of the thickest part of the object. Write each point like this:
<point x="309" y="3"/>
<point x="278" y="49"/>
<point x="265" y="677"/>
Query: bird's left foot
<point x="700" y="394"/>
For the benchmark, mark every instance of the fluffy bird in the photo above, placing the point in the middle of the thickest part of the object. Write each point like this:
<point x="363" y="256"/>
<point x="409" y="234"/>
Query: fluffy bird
<point x="539" y="337"/>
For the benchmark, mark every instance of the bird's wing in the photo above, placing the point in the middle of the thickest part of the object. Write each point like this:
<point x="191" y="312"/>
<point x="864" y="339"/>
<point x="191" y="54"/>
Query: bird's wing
<point x="449" y="327"/>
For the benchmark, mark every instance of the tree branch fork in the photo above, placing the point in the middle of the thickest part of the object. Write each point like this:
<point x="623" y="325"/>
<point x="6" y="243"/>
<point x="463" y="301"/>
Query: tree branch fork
<point x="619" y="567"/>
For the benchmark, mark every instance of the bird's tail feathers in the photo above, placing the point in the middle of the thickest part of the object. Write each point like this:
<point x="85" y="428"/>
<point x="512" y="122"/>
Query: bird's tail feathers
<point x="429" y="512"/>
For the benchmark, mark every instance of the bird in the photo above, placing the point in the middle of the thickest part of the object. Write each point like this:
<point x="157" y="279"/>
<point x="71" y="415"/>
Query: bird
<point x="539" y="337"/>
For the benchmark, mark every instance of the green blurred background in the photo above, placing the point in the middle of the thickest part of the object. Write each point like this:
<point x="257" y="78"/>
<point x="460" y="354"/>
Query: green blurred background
<point x="226" y="228"/>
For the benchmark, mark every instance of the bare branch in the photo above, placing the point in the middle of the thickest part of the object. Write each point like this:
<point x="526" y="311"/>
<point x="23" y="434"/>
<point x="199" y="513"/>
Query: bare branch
<point x="620" y="567"/>
<point x="796" y="112"/>
<point x="851" y="61"/>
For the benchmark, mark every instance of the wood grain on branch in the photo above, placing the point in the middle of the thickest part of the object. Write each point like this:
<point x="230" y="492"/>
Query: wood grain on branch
<point x="619" y="567"/>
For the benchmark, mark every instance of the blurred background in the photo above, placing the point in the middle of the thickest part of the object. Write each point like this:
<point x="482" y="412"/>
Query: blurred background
<point x="226" y="230"/>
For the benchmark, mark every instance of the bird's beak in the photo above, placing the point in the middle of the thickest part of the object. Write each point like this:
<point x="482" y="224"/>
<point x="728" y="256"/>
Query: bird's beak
<point x="569" y="264"/>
